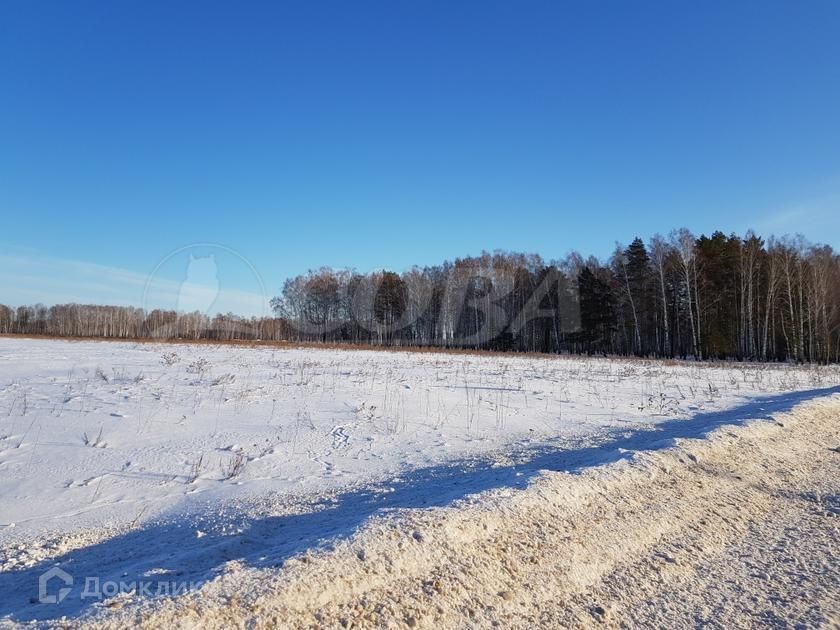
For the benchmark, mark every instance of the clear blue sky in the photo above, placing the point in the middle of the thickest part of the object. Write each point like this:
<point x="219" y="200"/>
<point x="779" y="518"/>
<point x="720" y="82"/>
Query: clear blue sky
<point x="383" y="134"/>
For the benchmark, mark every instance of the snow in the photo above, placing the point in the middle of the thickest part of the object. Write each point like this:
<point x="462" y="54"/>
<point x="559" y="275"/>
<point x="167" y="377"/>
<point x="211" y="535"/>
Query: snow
<point x="129" y="461"/>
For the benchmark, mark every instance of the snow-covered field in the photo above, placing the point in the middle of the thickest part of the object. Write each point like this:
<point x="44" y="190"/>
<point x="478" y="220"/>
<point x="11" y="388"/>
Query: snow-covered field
<point x="157" y="467"/>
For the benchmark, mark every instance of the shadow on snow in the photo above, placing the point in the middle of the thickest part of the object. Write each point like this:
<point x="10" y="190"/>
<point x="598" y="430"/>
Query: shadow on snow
<point x="172" y="552"/>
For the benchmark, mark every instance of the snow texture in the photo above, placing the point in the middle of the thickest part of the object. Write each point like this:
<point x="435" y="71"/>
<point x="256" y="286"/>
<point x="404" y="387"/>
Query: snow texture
<point x="320" y="482"/>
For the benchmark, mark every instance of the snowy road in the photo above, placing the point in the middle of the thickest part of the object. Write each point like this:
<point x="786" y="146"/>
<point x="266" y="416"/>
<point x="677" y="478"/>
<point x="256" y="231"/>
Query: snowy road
<point x="737" y="530"/>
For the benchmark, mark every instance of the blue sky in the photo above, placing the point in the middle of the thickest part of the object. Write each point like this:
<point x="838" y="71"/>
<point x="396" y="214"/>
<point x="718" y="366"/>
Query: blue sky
<point x="384" y="134"/>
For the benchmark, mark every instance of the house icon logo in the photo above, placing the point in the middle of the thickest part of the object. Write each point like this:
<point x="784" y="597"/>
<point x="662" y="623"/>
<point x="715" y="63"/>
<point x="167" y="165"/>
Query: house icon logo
<point x="43" y="584"/>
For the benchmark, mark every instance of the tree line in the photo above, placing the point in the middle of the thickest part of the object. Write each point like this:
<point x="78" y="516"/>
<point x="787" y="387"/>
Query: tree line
<point x="716" y="296"/>
<point x="124" y="322"/>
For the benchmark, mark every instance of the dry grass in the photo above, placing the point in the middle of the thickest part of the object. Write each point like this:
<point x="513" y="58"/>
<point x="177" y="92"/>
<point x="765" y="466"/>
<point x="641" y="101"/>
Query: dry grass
<point x="251" y="343"/>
